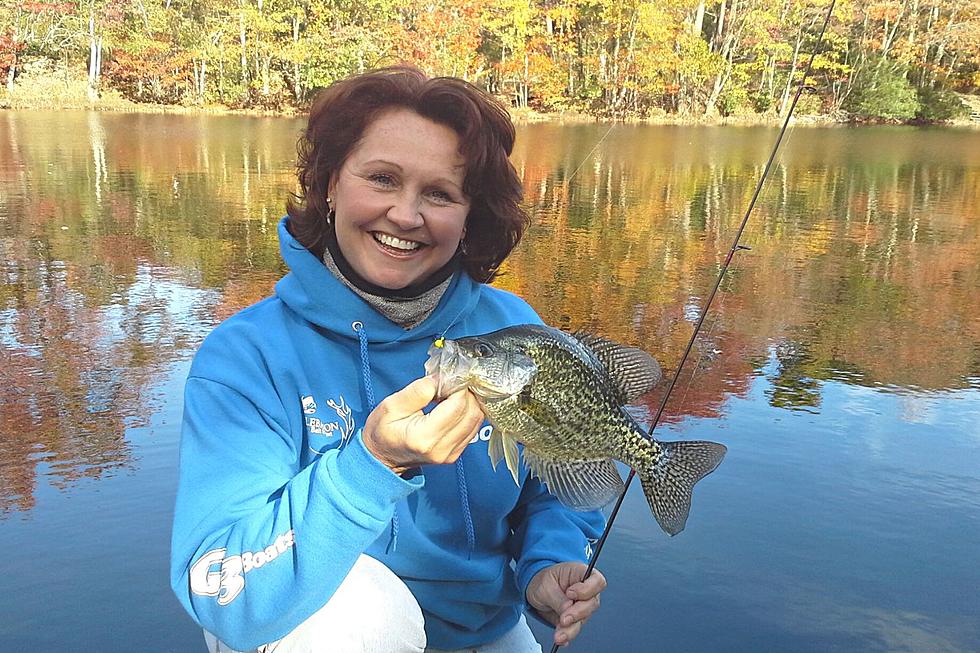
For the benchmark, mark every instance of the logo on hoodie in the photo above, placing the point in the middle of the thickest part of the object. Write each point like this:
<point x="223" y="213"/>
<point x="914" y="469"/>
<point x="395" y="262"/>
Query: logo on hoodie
<point x="340" y="423"/>
<point x="223" y="576"/>
<point x="309" y="404"/>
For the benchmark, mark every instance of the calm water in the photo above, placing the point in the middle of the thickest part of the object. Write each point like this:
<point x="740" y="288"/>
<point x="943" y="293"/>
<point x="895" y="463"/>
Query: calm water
<point x="840" y="364"/>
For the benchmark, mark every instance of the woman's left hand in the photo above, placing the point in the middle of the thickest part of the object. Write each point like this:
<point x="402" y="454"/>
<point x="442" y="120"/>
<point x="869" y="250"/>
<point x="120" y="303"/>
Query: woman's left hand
<point x="560" y="595"/>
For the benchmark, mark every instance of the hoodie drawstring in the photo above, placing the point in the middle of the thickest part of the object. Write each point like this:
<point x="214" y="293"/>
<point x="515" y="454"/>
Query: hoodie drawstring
<point x="464" y="501"/>
<point x="365" y="363"/>
<point x="369" y="394"/>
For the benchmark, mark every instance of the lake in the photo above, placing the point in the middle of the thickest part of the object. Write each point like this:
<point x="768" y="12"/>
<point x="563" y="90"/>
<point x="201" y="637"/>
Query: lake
<point x="840" y="364"/>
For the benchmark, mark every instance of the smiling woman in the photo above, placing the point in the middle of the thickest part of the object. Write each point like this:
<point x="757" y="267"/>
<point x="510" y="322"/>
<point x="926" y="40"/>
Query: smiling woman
<point x="471" y="130"/>
<point x="398" y="202"/>
<point x="309" y="516"/>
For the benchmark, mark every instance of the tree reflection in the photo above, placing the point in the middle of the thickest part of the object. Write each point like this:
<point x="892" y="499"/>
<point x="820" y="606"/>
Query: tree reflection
<point x="862" y="266"/>
<point x="124" y="239"/>
<point x="105" y="252"/>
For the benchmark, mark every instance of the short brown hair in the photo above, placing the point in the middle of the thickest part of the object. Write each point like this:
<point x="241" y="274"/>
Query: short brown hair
<point x="342" y="112"/>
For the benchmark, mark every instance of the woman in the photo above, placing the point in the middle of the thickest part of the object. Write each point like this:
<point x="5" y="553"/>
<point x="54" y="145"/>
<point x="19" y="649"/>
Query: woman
<point x="311" y="517"/>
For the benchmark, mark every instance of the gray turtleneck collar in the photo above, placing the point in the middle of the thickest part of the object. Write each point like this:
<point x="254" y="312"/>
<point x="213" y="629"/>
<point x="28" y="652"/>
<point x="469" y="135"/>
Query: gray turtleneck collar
<point x="406" y="312"/>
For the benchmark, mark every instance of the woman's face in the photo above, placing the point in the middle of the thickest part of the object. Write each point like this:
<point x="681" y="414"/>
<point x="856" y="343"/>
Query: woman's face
<point x="399" y="201"/>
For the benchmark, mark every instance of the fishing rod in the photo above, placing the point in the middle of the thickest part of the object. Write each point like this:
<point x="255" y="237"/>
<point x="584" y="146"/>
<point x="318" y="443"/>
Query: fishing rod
<point x="714" y="290"/>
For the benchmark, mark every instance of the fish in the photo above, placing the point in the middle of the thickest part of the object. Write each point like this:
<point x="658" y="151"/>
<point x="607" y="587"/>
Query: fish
<point x="563" y="396"/>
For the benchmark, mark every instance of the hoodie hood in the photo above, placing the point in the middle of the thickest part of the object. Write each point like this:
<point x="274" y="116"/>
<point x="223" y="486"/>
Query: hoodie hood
<point x="312" y="291"/>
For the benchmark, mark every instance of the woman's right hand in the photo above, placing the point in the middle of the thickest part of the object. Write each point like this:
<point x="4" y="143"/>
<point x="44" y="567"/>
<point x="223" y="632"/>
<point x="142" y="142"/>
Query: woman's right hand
<point x="401" y="436"/>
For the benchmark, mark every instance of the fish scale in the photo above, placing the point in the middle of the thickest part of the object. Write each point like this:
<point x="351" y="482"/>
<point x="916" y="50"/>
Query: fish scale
<point x="630" y="446"/>
<point x="562" y="397"/>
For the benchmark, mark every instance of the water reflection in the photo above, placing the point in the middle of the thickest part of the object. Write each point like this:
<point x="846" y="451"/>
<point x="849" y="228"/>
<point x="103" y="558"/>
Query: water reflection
<point x="125" y="237"/>
<point x="118" y="253"/>
<point x="863" y="262"/>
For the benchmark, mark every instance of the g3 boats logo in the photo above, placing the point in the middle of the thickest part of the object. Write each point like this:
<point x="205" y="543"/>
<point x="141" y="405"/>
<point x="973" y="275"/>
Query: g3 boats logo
<point x="343" y="425"/>
<point x="224" y="577"/>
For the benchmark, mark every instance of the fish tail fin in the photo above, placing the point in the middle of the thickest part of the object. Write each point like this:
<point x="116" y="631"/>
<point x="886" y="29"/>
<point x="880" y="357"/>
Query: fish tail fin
<point x="669" y="482"/>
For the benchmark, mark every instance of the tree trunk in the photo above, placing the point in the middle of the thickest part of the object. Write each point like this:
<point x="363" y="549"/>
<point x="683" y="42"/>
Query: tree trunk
<point x="94" y="58"/>
<point x="889" y="40"/>
<point x="241" y="25"/>
<point x="265" y="74"/>
<point x="203" y="86"/>
<point x="525" y="87"/>
<point x="12" y="71"/>
<point x="792" y="71"/>
<point x="612" y="93"/>
<point x="296" y="81"/>
<point x="728" y="48"/>
<point x="719" y="28"/>
<point x="914" y="25"/>
<point x="197" y="76"/>
<point x="571" y="78"/>
<point x="627" y="99"/>
<point x="697" y="25"/>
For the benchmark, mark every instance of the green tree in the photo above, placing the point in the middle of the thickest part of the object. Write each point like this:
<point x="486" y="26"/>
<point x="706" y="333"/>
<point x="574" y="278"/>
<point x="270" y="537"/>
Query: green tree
<point x="883" y="93"/>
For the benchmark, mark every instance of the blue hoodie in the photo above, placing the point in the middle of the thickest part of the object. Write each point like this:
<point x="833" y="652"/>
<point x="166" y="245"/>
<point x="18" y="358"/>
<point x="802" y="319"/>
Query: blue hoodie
<point x="278" y="496"/>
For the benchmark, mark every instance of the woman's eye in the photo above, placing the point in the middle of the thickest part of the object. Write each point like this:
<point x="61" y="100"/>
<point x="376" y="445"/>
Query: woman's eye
<point x="441" y="196"/>
<point x="382" y="179"/>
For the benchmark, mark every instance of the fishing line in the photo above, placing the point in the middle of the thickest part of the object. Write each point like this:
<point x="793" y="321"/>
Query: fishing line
<point x="591" y="152"/>
<point x="701" y="350"/>
<point x="714" y="290"/>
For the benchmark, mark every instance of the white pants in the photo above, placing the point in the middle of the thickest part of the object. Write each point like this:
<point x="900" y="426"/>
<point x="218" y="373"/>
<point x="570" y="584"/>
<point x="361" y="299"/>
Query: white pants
<point x="373" y="611"/>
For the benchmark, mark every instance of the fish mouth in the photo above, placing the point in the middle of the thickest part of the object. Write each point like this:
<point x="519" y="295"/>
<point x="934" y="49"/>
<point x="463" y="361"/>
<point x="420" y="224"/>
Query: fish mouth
<point x="449" y="367"/>
<point x="455" y="367"/>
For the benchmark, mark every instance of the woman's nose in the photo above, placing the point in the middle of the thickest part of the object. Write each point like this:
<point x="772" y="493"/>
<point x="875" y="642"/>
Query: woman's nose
<point x="406" y="212"/>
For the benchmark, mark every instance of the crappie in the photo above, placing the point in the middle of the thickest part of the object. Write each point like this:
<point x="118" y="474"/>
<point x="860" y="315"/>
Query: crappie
<point x="562" y="396"/>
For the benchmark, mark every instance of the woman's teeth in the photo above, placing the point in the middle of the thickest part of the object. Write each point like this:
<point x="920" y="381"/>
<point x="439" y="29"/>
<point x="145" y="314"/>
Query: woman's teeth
<point x="396" y="243"/>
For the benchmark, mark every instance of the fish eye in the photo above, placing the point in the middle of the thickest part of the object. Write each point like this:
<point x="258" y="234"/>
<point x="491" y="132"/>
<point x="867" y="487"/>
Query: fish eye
<point x="482" y="349"/>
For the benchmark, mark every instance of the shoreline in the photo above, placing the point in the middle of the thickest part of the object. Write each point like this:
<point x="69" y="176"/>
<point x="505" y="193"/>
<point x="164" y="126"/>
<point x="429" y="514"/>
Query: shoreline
<point x="519" y="116"/>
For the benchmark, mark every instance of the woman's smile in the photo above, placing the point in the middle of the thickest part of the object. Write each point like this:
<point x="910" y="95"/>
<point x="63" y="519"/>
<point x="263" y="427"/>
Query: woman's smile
<point x="396" y="245"/>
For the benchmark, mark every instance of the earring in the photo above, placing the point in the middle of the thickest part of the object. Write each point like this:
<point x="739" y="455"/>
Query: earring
<point x="331" y="212"/>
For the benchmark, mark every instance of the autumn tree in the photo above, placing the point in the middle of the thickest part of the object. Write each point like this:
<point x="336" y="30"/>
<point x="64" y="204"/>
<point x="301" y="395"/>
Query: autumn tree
<point x="615" y="58"/>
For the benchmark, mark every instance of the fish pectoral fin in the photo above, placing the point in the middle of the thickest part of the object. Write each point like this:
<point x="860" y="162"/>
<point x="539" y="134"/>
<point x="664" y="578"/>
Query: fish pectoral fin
<point x="579" y="484"/>
<point x="495" y="447"/>
<point x="504" y="446"/>
<point x="541" y="413"/>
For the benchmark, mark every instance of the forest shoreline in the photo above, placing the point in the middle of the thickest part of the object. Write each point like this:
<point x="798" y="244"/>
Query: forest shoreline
<point x="519" y="116"/>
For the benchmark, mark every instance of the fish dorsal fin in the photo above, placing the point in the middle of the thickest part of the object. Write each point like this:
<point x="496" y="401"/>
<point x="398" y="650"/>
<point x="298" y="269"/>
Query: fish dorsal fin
<point x="503" y="446"/>
<point x="579" y="484"/>
<point x="634" y="371"/>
